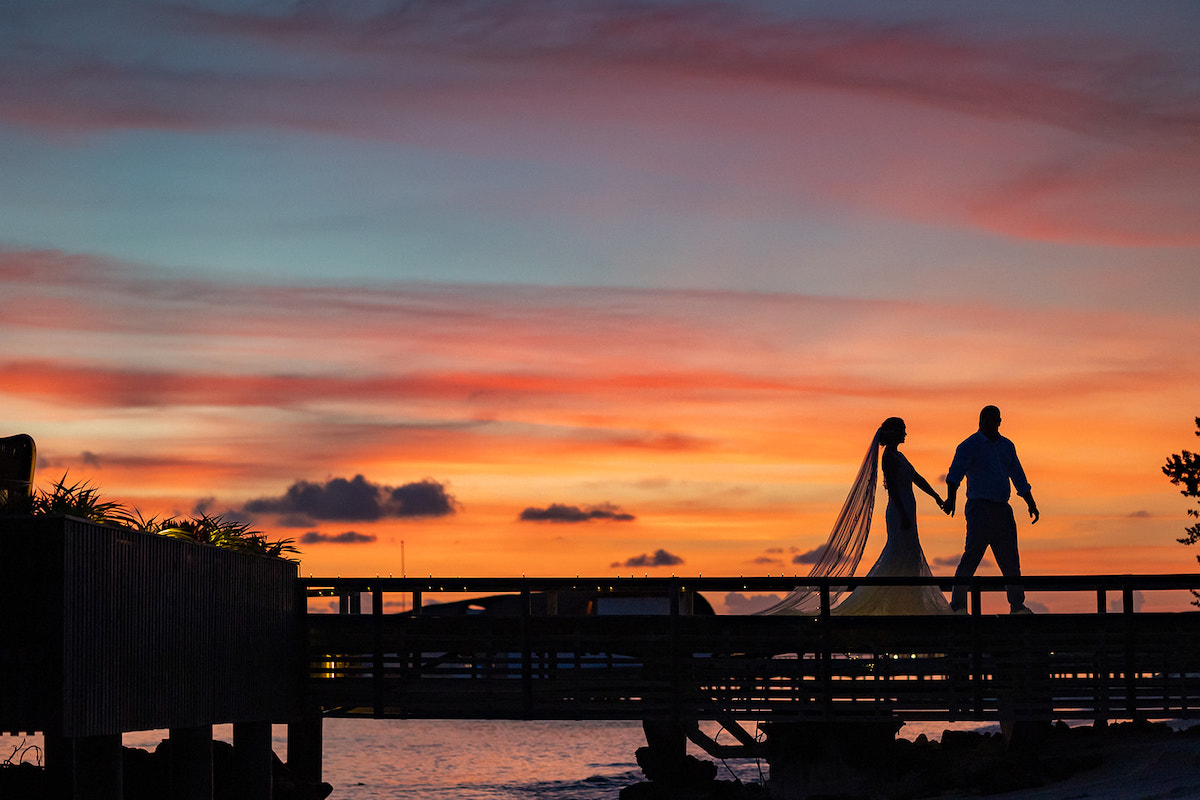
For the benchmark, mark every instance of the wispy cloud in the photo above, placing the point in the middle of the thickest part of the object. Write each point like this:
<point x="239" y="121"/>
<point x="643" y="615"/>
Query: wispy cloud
<point x="699" y="82"/>
<point x="1102" y="82"/>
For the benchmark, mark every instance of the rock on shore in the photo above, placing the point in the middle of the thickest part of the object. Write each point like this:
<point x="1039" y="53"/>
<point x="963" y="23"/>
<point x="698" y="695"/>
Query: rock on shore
<point x="1037" y="762"/>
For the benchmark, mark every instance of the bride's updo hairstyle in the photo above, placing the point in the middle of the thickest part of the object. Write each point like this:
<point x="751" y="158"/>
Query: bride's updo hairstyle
<point x="889" y="431"/>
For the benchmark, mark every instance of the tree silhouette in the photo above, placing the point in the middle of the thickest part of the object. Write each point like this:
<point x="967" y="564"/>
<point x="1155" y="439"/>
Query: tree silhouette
<point x="1184" y="470"/>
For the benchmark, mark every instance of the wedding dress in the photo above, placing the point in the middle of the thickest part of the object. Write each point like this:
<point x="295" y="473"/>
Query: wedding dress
<point x="902" y="555"/>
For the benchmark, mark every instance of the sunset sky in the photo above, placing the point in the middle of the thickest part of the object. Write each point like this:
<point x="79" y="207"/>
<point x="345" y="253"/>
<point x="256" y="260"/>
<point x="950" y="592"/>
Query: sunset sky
<point x="564" y="287"/>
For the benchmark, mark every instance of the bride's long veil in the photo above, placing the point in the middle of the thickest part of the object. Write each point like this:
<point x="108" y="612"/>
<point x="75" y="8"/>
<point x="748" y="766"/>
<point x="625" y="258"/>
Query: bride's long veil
<point x="846" y="542"/>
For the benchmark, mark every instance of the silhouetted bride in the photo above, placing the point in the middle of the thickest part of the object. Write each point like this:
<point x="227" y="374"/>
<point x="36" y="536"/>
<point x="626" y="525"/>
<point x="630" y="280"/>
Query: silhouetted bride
<point x="902" y="555"/>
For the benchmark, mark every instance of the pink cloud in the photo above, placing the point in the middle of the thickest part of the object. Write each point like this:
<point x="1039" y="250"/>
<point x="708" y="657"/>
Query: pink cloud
<point x="759" y="111"/>
<point x="1066" y="82"/>
<point x="1122" y="198"/>
<point x="501" y="346"/>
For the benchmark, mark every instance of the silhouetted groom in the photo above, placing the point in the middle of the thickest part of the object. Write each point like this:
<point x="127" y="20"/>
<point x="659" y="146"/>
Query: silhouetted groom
<point x="989" y="463"/>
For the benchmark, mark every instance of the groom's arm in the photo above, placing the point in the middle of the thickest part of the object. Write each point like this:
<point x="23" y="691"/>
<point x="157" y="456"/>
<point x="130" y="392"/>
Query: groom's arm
<point x="955" y="475"/>
<point x="1034" y="514"/>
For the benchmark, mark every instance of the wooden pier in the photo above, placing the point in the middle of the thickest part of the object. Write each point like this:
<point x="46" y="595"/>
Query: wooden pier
<point x="522" y="660"/>
<point x="110" y="631"/>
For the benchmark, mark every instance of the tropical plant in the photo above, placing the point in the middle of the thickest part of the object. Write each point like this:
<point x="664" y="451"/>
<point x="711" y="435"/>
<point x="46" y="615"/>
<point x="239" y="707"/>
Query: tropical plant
<point x="77" y="500"/>
<point x="230" y="534"/>
<point x="1183" y="469"/>
<point x="80" y="499"/>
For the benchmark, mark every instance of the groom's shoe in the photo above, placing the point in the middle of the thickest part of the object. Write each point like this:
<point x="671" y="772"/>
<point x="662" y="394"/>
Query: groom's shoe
<point x="1020" y="610"/>
<point x="960" y="610"/>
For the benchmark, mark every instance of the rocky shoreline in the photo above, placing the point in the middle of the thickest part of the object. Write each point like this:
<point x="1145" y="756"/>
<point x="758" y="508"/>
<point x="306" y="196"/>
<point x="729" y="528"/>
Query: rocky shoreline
<point x="1041" y="762"/>
<point x="961" y="764"/>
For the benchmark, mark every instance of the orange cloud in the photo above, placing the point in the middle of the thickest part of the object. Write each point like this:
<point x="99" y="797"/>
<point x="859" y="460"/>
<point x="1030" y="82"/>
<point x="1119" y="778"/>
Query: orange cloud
<point x="731" y="423"/>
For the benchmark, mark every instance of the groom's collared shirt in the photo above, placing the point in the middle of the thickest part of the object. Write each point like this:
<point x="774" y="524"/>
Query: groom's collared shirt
<point x="988" y="466"/>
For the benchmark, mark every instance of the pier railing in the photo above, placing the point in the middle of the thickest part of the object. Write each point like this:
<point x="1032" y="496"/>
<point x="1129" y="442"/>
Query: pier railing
<point x="385" y="657"/>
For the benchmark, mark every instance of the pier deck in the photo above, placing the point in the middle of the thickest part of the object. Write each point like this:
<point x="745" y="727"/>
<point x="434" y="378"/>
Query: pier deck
<point x="677" y="665"/>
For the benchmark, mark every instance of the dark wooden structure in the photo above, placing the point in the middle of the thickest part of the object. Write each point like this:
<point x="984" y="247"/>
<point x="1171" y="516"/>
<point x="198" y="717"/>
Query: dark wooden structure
<point x="680" y="666"/>
<point x="18" y="458"/>
<point x="108" y="630"/>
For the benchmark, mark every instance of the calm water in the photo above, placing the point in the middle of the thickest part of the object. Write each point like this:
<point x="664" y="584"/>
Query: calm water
<point x="486" y="760"/>
<point x="479" y="759"/>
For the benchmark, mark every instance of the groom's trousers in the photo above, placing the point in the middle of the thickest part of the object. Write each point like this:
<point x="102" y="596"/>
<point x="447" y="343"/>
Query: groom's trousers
<point x="989" y="524"/>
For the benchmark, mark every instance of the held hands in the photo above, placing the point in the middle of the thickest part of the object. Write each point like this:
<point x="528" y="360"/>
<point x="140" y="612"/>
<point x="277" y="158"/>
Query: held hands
<point x="947" y="506"/>
<point x="951" y="498"/>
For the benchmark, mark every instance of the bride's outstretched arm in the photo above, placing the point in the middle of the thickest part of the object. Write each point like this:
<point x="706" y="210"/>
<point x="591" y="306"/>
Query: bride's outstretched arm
<point x="924" y="486"/>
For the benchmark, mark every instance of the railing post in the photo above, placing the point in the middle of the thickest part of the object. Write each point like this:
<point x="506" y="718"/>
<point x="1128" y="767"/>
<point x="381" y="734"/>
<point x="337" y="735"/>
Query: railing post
<point x="1130" y="649"/>
<point x="676" y="656"/>
<point x="526" y="652"/>
<point x="377" y="661"/>
<point x="826" y="659"/>
<point x="976" y="653"/>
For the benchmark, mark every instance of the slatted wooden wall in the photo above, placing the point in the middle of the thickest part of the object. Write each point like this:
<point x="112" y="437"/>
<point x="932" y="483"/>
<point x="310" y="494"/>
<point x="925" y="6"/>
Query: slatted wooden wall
<point x="106" y="630"/>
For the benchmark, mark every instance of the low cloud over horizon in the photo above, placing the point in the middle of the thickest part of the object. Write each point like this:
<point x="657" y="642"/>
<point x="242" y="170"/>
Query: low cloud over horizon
<point x="560" y="512"/>
<point x="738" y="603"/>
<point x="347" y="537"/>
<point x="951" y="561"/>
<point x="810" y="557"/>
<point x="356" y="500"/>
<point x="660" y="558"/>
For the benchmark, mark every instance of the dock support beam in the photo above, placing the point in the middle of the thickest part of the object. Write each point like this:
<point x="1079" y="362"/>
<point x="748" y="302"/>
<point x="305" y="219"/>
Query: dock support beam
<point x="98" y="773"/>
<point x="60" y="767"/>
<point x="253" y="760"/>
<point x="191" y="767"/>
<point x="84" y="768"/>
<point x="305" y="743"/>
